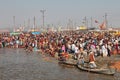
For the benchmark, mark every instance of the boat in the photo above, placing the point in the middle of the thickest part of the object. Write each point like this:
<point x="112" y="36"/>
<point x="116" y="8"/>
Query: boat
<point x="106" y="71"/>
<point x="69" y="62"/>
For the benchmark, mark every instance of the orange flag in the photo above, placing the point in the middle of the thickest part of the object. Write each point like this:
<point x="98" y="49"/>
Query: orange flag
<point x="102" y="26"/>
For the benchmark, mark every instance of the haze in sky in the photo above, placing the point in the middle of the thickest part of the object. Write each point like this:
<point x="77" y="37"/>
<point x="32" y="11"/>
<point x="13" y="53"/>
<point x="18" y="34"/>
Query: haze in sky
<point x="58" y="12"/>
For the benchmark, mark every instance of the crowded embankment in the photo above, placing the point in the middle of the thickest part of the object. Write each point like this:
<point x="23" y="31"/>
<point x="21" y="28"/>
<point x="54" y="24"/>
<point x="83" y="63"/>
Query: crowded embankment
<point x="82" y="46"/>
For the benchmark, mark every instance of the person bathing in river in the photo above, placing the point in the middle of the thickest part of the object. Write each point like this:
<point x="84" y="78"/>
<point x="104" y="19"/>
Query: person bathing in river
<point x="80" y="59"/>
<point x="63" y="56"/>
<point x="92" y="60"/>
<point x="80" y="56"/>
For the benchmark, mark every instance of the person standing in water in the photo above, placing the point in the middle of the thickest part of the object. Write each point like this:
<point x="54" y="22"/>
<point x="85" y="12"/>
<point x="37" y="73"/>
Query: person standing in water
<point x="92" y="60"/>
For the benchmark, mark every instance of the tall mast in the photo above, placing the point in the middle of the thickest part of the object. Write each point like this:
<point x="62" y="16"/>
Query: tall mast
<point x="85" y="21"/>
<point x="43" y="12"/>
<point x="91" y="22"/>
<point x="106" y="22"/>
<point x="34" y="23"/>
<point x="14" y="23"/>
<point x="28" y="23"/>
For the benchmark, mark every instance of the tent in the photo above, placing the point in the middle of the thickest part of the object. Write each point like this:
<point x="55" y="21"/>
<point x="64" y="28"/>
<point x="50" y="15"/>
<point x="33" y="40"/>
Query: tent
<point x="15" y="33"/>
<point x="35" y="33"/>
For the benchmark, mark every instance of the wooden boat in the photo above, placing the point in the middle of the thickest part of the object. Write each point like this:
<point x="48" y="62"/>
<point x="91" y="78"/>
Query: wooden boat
<point x="69" y="62"/>
<point x="107" y="71"/>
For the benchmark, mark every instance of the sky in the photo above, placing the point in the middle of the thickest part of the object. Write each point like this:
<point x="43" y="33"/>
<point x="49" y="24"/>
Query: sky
<point x="58" y="12"/>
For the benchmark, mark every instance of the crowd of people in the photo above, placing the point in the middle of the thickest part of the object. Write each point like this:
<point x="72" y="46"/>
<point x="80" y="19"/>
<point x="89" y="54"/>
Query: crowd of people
<point x="63" y="43"/>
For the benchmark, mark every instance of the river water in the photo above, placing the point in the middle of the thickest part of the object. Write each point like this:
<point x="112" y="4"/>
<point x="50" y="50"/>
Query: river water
<point x="17" y="64"/>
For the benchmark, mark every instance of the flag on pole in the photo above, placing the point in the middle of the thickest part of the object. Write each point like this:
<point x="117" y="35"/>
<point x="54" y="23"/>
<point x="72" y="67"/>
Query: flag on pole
<point x="102" y="26"/>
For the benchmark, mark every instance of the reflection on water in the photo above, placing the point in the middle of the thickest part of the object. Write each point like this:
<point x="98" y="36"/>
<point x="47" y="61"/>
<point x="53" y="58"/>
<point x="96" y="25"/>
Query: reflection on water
<point x="16" y="64"/>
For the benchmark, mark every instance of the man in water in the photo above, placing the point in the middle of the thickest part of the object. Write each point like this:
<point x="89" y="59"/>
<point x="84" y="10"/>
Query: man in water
<point x="92" y="60"/>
